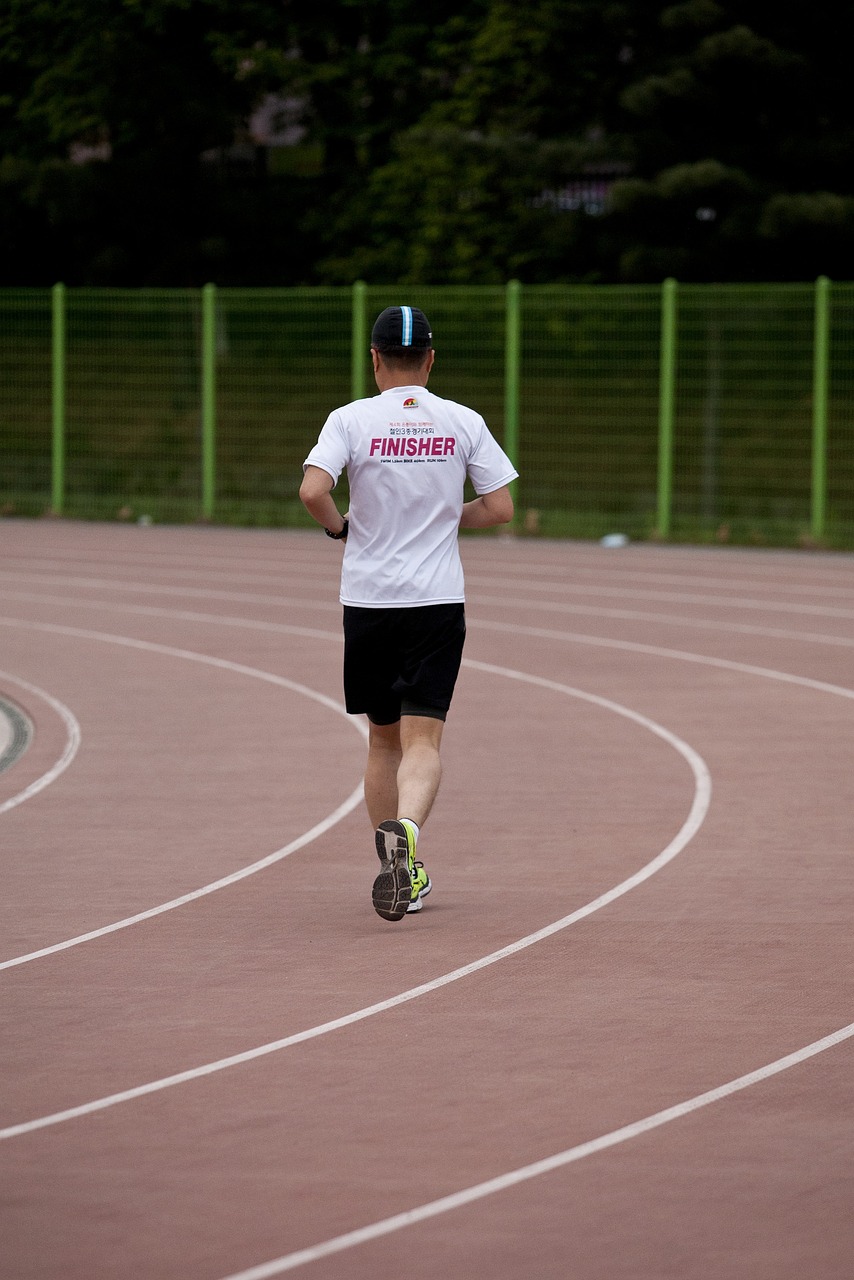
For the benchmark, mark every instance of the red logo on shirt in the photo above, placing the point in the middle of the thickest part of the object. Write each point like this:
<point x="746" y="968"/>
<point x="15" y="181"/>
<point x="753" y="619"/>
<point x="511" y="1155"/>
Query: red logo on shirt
<point x="410" y="403"/>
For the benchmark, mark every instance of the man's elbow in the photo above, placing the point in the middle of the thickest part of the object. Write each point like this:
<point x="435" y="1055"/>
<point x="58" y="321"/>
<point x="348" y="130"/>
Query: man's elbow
<point x="508" y="510"/>
<point x="500" y="506"/>
<point x="315" y="485"/>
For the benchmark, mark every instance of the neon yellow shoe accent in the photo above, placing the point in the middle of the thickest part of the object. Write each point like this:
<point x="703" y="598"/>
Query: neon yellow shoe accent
<point x="421" y="882"/>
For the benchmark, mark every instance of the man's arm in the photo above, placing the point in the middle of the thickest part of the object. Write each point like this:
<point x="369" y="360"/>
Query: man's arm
<point x="316" y="496"/>
<point x="487" y="510"/>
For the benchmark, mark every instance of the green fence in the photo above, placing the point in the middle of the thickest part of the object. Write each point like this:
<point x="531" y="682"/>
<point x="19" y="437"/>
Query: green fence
<point x="690" y="412"/>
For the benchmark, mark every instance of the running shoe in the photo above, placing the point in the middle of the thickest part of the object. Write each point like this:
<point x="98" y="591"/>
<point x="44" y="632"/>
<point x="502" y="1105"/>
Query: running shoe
<point x="421" y="884"/>
<point x="402" y="882"/>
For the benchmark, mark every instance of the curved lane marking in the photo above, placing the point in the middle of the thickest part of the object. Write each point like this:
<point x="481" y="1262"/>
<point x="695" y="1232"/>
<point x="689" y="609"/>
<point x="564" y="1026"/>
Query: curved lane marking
<point x="224" y="664"/>
<point x="699" y="808"/>
<point x="748" y="582"/>
<point x="659" y="651"/>
<point x="513" y="628"/>
<point x="546" y="606"/>
<point x="228" y="567"/>
<point x="289" y="1261"/>
<point x="72" y="742"/>
<point x="625" y="593"/>
<point x="150" y="588"/>
<point x="481" y="1190"/>
<point x="182" y="615"/>
<point x="678" y="597"/>
<point x="638" y="615"/>
<point x="249" y="1055"/>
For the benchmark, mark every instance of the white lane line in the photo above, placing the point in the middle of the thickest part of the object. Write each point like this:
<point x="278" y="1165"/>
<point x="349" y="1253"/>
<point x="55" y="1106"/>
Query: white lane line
<point x="580" y="560"/>
<point x="73" y="739"/>
<point x="699" y="808"/>
<point x="569" y="588"/>
<point x="223" y="664"/>
<point x="658" y="651"/>
<point x="467" y="1196"/>
<point x="638" y="615"/>
<point x="483" y="624"/>
<point x="577" y="610"/>
<point x="673" y="597"/>
<point x="279" y="572"/>
<point x="300" y="842"/>
<point x="178" y="615"/>
<point x="572" y="569"/>
<point x="652" y="650"/>
<point x="196" y="593"/>
<point x="513" y="628"/>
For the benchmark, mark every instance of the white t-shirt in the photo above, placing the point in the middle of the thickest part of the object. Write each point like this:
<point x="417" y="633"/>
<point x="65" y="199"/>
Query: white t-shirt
<point x="407" y="453"/>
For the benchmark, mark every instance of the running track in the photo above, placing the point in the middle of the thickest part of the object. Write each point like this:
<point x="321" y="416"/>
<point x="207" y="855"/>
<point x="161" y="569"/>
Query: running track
<point x="616" y="1044"/>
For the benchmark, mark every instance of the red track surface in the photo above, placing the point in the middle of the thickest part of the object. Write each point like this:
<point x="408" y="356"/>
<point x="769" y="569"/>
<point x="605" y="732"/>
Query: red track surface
<point x="702" y="934"/>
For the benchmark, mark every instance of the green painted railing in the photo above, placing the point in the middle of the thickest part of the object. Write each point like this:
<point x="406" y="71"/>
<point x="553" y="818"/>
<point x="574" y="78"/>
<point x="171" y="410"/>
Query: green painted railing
<point x="666" y="402"/>
<point x="667" y="411"/>
<point x="208" y="400"/>
<point x="58" y="399"/>
<point x="821" y="357"/>
<point x="512" y="369"/>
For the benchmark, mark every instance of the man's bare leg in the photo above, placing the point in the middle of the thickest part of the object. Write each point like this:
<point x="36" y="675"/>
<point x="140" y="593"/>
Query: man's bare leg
<point x="404" y="769"/>
<point x="402" y="884"/>
<point x="420" y="770"/>
<point x="384" y="756"/>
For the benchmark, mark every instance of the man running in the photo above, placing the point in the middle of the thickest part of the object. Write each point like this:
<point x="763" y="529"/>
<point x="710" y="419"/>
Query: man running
<point x="407" y="454"/>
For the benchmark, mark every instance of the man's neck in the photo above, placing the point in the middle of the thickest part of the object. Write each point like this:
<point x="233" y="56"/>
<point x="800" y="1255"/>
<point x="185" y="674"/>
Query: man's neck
<point x="387" y="379"/>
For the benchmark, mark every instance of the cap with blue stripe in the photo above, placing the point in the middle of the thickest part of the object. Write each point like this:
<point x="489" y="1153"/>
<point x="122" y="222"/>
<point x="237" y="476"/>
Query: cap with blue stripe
<point x="401" y="327"/>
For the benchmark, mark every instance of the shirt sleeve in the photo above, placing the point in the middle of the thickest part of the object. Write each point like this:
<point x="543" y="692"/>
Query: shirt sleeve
<point x="489" y="468"/>
<point x="331" y="453"/>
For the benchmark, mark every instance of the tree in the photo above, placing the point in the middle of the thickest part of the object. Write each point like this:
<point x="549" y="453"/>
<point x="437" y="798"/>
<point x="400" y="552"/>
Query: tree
<point x="740" y="130"/>
<point x="471" y="141"/>
<point x="161" y="90"/>
<point x="724" y="132"/>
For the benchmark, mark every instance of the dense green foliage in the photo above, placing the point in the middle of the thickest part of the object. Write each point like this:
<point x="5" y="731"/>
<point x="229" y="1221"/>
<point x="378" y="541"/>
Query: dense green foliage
<point x="559" y="140"/>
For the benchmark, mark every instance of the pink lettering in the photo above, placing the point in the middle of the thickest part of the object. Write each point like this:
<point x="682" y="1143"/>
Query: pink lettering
<point x="413" y="446"/>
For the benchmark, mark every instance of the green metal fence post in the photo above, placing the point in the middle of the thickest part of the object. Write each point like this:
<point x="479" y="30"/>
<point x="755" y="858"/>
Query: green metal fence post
<point x="57" y="501"/>
<point x="666" y="399"/>
<point x="208" y="400"/>
<point x="359" y="341"/>
<point x="512" y="364"/>
<point x="821" y="352"/>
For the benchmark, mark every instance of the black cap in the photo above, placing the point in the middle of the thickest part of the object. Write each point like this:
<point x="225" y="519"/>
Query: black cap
<point x="401" y="327"/>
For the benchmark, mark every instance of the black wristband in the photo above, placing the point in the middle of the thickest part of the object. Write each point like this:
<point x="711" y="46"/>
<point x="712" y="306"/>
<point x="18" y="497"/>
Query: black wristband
<point x="342" y="534"/>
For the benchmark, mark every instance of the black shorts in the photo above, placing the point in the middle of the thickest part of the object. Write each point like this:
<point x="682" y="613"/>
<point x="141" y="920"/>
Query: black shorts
<point x="402" y="661"/>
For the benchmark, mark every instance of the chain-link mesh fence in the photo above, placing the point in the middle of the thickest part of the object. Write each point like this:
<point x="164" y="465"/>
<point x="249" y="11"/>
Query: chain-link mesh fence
<point x="107" y="418"/>
<point x="132" y="401"/>
<point x="744" y="404"/>
<point x="282" y="363"/>
<point x="589" y="403"/>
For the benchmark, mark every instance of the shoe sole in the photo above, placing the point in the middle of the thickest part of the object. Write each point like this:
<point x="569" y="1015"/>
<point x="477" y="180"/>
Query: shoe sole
<point x="392" y="891"/>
